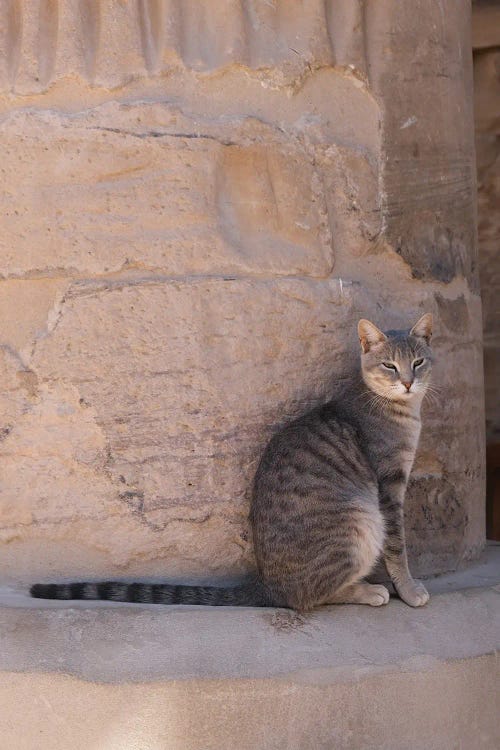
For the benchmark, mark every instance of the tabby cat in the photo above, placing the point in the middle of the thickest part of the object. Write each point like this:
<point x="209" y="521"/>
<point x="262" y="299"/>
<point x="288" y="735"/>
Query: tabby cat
<point x="328" y="494"/>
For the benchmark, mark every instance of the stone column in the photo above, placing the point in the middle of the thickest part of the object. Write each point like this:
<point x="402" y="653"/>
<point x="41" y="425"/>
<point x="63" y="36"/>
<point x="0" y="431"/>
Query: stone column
<point x="199" y="200"/>
<point x="486" y="45"/>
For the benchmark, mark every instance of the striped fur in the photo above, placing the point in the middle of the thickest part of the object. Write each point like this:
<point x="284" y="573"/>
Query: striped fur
<point x="251" y="594"/>
<point x="328" y="494"/>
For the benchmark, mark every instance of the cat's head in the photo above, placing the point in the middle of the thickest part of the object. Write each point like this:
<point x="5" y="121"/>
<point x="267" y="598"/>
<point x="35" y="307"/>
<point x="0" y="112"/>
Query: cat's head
<point x="396" y="364"/>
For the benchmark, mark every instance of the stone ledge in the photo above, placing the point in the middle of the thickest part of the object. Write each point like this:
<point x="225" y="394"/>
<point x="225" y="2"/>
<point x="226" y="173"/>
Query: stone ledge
<point x="111" y="642"/>
<point x="438" y="708"/>
<point x="134" y="643"/>
<point x="129" y="676"/>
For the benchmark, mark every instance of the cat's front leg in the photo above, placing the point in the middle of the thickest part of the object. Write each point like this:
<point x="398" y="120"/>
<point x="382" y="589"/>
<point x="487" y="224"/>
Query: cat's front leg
<point x="411" y="591"/>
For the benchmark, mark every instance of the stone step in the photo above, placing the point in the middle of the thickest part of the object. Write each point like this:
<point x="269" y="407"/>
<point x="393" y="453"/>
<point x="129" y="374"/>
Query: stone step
<point x="120" y="677"/>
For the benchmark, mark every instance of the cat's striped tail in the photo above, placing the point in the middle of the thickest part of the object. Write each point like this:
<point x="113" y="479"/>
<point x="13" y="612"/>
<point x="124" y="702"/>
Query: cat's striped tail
<point x="251" y="594"/>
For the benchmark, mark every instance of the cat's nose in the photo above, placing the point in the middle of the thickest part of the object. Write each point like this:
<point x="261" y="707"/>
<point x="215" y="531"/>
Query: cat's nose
<point x="407" y="384"/>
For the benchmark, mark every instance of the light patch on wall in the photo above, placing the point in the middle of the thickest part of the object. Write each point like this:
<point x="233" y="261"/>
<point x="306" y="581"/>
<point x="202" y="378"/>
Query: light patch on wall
<point x="25" y="307"/>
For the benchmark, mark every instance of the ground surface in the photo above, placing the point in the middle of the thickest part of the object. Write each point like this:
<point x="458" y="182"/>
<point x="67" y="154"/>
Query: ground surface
<point x="129" y="676"/>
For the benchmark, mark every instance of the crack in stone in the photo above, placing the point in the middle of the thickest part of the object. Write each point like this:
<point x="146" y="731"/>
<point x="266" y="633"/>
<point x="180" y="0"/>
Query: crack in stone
<point x="45" y="522"/>
<point x="142" y="515"/>
<point x="163" y="134"/>
<point x="90" y="287"/>
<point x="133" y="498"/>
<point x="57" y="311"/>
<point x="8" y="349"/>
<point x="49" y="272"/>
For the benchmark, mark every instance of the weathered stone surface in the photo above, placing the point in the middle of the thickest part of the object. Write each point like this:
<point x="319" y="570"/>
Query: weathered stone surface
<point x="193" y="678"/>
<point x="192" y="224"/>
<point x="485" y="24"/>
<point x="164" y="195"/>
<point x="136" y="432"/>
<point x="109" y="44"/>
<point x="141" y="398"/>
<point x="443" y="706"/>
<point x="429" y="190"/>
<point x="147" y="186"/>
<point x="487" y="120"/>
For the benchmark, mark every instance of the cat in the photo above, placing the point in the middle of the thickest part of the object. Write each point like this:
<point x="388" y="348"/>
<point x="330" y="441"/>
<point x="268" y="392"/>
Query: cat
<point x="328" y="494"/>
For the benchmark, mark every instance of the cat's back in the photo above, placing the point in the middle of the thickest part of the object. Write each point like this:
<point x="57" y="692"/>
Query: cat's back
<point x="320" y="451"/>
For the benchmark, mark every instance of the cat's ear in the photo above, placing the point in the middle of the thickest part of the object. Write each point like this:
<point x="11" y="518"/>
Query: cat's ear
<point x="423" y="328"/>
<point x="369" y="335"/>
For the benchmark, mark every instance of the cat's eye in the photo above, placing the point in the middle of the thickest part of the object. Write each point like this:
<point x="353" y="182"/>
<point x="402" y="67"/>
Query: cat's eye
<point x="417" y="363"/>
<point x="390" y="366"/>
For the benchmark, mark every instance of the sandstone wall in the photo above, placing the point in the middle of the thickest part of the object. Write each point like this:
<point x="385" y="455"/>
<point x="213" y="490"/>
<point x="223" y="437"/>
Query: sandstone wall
<point x="199" y="200"/>
<point x="486" y="42"/>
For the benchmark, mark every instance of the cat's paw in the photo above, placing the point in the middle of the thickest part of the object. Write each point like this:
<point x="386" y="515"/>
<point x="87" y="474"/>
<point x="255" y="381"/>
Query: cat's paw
<point x="377" y="596"/>
<point x="413" y="593"/>
<point x="363" y="593"/>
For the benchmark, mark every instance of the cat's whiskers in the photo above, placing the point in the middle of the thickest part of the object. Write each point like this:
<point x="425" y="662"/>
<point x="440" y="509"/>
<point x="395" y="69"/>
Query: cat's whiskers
<point x="377" y="403"/>
<point x="431" y="388"/>
<point x="432" y="394"/>
<point x="432" y="399"/>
